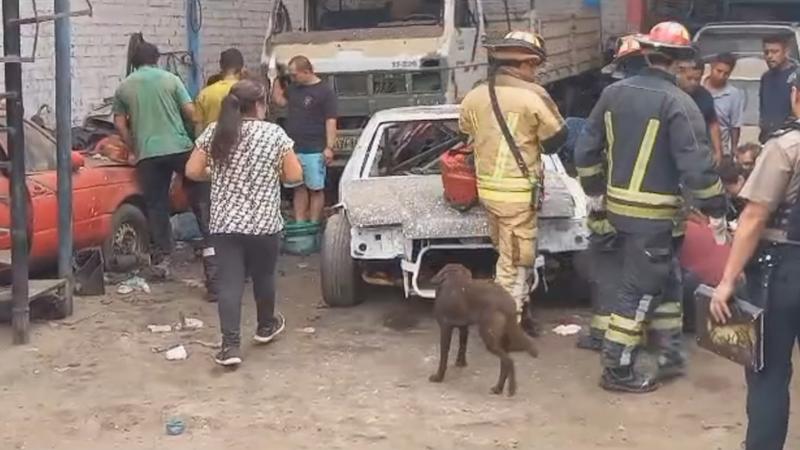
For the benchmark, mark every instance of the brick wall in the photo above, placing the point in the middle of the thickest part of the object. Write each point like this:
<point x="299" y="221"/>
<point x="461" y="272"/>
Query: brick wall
<point x="99" y="43"/>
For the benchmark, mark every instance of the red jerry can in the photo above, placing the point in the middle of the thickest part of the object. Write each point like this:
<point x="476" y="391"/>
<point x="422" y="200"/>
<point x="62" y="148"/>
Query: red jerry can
<point x="458" y="177"/>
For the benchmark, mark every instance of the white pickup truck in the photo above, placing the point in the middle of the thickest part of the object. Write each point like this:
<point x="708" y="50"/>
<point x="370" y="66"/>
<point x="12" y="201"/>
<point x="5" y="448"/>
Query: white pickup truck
<point x="393" y="226"/>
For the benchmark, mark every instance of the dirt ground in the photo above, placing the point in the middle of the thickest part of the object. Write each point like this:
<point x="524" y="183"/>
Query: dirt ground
<point x="337" y="379"/>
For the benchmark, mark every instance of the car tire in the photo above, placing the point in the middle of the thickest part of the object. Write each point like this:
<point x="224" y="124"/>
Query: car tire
<point x="341" y="284"/>
<point x="129" y="228"/>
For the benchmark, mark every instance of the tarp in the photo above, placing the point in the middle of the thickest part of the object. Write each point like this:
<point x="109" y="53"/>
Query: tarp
<point x="701" y="255"/>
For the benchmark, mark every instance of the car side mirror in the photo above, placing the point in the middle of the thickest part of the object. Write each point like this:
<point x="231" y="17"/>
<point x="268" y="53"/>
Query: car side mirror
<point x="77" y="161"/>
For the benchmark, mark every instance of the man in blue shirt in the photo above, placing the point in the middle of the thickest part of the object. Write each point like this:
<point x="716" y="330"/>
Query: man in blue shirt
<point x="774" y="94"/>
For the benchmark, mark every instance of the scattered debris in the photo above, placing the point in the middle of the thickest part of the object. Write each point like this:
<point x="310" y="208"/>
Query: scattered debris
<point x="302" y="266"/>
<point x="175" y="426"/>
<point x="124" y="290"/>
<point x="178" y="353"/>
<point x="193" y="283"/>
<point x="159" y="328"/>
<point x="713" y="426"/>
<point x="70" y="323"/>
<point x="188" y="323"/>
<point x="567" y="330"/>
<point x="133" y="284"/>
<point x="308" y="330"/>
<point x="314" y="317"/>
<point x="67" y="367"/>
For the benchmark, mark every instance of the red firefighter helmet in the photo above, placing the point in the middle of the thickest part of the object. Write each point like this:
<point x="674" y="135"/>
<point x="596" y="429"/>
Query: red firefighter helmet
<point x="669" y="35"/>
<point x="627" y="47"/>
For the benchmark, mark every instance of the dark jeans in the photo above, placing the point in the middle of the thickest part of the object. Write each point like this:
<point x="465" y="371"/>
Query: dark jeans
<point x="155" y="178"/>
<point x="239" y="255"/>
<point x="768" y="390"/>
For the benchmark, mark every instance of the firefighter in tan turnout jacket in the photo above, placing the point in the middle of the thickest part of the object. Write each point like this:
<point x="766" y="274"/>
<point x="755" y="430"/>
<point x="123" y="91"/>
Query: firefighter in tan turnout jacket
<point x="507" y="150"/>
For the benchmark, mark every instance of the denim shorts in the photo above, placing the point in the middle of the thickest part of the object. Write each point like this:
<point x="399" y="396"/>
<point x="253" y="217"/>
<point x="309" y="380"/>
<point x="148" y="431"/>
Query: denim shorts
<point x="314" y="171"/>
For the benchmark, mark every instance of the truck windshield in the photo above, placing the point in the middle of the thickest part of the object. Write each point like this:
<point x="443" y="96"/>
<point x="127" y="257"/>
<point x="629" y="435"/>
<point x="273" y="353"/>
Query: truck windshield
<point x="358" y="14"/>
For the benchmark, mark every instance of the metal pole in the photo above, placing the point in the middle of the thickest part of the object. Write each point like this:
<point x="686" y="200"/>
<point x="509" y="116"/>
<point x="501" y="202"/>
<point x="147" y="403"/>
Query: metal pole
<point x="20" y="320"/>
<point x="64" y="142"/>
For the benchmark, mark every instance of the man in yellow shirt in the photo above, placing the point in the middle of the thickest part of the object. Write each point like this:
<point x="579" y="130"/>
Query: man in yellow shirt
<point x="209" y="100"/>
<point x="208" y="105"/>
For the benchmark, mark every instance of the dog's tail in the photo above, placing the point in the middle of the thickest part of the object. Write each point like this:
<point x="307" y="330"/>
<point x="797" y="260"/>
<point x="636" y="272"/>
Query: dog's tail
<point x="519" y="341"/>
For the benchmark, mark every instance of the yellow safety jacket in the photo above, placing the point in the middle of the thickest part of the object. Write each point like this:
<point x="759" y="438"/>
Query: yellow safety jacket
<point x="534" y="122"/>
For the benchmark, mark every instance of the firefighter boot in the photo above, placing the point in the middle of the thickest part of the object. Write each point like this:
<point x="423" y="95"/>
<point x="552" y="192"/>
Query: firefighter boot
<point x="521" y="292"/>
<point x="594" y="340"/>
<point x="210" y="270"/>
<point x="625" y="379"/>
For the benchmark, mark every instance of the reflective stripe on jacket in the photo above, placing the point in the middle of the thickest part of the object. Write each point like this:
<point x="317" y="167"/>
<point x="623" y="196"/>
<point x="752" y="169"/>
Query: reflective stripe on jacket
<point x="533" y="119"/>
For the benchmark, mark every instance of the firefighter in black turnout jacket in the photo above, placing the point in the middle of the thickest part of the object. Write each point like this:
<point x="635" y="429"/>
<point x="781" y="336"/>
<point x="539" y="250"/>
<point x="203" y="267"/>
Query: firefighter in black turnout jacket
<point x="645" y="142"/>
<point x="767" y="249"/>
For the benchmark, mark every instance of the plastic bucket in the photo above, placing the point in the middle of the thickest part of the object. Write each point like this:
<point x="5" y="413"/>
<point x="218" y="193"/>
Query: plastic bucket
<point x="301" y="238"/>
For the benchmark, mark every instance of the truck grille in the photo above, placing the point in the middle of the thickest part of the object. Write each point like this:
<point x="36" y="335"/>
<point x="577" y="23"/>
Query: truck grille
<point x="386" y="83"/>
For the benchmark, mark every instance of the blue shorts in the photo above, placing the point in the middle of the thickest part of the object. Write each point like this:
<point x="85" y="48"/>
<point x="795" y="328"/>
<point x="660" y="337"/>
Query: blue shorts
<point x="314" y="171"/>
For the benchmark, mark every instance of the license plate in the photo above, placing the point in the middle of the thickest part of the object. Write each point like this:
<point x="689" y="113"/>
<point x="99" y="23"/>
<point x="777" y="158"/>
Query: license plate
<point x="346" y="143"/>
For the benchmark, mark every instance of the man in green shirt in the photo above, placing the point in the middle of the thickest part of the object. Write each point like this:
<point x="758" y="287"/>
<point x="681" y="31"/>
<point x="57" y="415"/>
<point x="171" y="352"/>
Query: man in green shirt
<point x="149" y="110"/>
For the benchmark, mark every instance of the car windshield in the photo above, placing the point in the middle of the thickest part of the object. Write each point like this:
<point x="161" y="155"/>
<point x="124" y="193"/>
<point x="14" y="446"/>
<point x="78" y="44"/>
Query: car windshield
<point x="40" y="148"/>
<point x="359" y="14"/>
<point x="414" y="147"/>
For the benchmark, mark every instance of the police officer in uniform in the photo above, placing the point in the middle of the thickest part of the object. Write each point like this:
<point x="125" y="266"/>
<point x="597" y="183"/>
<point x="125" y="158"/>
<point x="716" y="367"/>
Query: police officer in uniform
<point x="644" y="144"/>
<point x="766" y="248"/>
<point x="510" y="120"/>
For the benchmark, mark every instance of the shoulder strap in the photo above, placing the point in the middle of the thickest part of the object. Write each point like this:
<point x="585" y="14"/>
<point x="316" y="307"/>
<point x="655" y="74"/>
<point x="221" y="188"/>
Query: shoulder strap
<point x="498" y="114"/>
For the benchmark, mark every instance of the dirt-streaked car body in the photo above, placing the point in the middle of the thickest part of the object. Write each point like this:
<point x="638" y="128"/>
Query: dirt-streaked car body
<point x="393" y="225"/>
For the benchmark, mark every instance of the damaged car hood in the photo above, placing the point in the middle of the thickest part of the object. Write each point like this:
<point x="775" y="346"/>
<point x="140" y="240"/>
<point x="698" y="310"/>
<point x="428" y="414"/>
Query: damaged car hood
<point x="416" y="203"/>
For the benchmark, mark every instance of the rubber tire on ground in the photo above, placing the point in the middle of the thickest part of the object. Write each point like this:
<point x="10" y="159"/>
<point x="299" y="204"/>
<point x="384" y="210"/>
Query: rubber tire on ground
<point x="130" y="214"/>
<point x="341" y="284"/>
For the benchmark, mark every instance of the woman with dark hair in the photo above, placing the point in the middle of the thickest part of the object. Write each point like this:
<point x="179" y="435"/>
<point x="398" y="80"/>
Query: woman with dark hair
<point x="245" y="158"/>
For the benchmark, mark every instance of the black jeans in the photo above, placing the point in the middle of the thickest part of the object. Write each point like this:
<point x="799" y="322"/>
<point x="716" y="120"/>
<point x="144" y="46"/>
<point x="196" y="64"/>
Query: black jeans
<point x="155" y="178"/>
<point x="239" y="255"/>
<point x="768" y="390"/>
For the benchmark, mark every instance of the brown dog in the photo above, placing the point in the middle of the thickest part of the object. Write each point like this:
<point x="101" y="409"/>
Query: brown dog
<point x="461" y="302"/>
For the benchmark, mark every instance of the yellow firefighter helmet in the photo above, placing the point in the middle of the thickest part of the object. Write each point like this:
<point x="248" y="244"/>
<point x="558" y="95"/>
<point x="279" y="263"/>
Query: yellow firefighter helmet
<point x="518" y="46"/>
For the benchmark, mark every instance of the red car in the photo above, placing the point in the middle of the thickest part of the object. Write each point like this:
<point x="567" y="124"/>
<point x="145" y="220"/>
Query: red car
<point x="108" y="208"/>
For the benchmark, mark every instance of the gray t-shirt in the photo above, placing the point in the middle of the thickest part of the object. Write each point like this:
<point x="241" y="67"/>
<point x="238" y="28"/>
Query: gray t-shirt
<point x="730" y="103"/>
<point x="309" y="106"/>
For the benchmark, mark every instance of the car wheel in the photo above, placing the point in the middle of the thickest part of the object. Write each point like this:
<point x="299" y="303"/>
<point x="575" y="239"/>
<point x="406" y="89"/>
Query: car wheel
<point x="129" y="240"/>
<point x="341" y="282"/>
